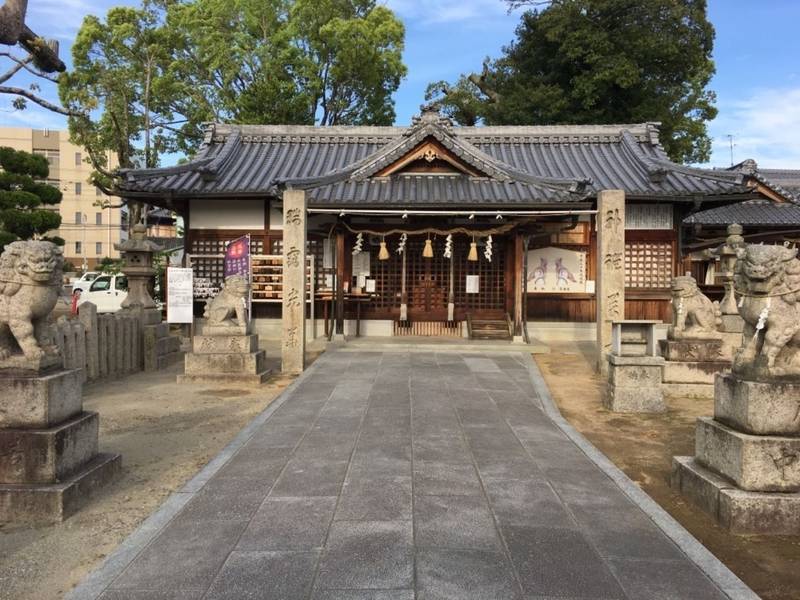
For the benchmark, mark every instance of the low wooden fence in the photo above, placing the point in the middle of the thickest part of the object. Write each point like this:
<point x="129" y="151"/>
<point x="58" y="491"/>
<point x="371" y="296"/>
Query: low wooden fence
<point x="104" y="346"/>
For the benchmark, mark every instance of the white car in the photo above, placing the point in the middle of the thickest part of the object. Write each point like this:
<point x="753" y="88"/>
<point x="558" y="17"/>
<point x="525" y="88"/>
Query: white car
<point x="82" y="284"/>
<point x="106" y="292"/>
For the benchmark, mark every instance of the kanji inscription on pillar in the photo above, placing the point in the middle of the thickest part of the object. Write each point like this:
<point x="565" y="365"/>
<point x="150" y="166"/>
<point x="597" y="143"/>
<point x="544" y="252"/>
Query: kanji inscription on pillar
<point x="294" y="282"/>
<point x="610" y="286"/>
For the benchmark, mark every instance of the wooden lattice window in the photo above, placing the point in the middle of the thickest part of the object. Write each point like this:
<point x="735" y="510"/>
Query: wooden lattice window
<point x="428" y="279"/>
<point x="648" y="264"/>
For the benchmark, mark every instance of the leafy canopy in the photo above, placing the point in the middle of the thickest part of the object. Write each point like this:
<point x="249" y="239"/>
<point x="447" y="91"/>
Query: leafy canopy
<point x="24" y="201"/>
<point x="151" y="76"/>
<point x="600" y="61"/>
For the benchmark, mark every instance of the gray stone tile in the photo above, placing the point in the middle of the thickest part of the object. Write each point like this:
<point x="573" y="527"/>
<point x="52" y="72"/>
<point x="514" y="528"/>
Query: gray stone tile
<point x="454" y="522"/>
<point x="253" y="462"/>
<point x="587" y="488"/>
<point x="544" y="432"/>
<point x="368" y="555"/>
<point x="481" y="417"/>
<point x="558" y="562"/>
<point x="498" y="381"/>
<point x="495" y="465"/>
<point x="149" y="595"/>
<point x="375" y="499"/>
<point x="443" y="449"/>
<point x="227" y="499"/>
<point x="482" y="365"/>
<point x="264" y="576"/>
<point x="289" y="524"/>
<point x="663" y="580"/>
<point x="363" y="595"/>
<point x="625" y="532"/>
<point x="334" y="446"/>
<point x="311" y="477"/>
<point x="276" y="436"/>
<point x="185" y="556"/>
<point x="464" y="575"/>
<point x="558" y="454"/>
<point x="527" y="502"/>
<point x="446" y="479"/>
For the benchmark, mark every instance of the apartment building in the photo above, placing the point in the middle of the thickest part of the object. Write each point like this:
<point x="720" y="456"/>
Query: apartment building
<point x="90" y="232"/>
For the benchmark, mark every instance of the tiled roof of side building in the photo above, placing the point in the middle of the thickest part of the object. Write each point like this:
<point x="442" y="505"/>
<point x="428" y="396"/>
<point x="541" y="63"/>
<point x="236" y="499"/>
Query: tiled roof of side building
<point x="761" y="213"/>
<point x="522" y="165"/>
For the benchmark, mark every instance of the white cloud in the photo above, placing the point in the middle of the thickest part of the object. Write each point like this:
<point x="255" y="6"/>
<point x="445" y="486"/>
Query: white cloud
<point x="765" y="127"/>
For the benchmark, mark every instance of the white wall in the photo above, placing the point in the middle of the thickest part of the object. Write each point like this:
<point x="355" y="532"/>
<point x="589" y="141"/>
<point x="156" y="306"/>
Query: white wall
<point x="227" y="214"/>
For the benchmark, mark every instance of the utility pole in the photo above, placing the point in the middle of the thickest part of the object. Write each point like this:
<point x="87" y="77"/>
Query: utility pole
<point x="730" y="141"/>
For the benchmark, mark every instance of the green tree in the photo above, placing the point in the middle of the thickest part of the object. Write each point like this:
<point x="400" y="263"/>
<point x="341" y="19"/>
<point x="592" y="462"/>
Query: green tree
<point x="24" y="200"/>
<point x="149" y="77"/>
<point x="600" y="61"/>
<point x="334" y="62"/>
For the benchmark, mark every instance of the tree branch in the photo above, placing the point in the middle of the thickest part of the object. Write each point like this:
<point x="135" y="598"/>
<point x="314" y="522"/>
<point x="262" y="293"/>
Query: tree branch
<point x="10" y="73"/>
<point x="15" y="91"/>
<point x="25" y="64"/>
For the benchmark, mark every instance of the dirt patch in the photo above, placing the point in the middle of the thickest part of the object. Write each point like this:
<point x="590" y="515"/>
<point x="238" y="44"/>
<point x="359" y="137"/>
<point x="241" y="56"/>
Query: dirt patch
<point x="165" y="433"/>
<point x="643" y="447"/>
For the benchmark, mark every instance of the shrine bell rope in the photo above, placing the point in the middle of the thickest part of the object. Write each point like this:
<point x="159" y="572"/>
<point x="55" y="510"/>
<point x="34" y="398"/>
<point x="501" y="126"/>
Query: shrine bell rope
<point x="505" y="228"/>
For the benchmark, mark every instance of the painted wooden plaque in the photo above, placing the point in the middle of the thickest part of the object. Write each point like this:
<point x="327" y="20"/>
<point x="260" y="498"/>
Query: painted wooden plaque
<point x="556" y="270"/>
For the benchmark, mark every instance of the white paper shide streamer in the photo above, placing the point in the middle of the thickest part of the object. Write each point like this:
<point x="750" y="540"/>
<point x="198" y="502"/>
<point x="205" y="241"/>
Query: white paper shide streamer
<point x="487" y="254"/>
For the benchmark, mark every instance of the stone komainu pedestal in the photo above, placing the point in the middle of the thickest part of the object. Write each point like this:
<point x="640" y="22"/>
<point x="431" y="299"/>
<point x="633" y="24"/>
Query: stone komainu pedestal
<point x="746" y="468"/>
<point x="225" y="354"/>
<point x="49" y="463"/>
<point x="634" y="384"/>
<point x="691" y="365"/>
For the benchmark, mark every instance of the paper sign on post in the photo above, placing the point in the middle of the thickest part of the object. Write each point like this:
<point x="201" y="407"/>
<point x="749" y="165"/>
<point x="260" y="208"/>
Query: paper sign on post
<point x="180" y="289"/>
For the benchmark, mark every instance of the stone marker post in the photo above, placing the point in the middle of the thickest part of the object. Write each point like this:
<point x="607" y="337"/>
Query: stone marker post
<point x="610" y="277"/>
<point x="294" y="282"/>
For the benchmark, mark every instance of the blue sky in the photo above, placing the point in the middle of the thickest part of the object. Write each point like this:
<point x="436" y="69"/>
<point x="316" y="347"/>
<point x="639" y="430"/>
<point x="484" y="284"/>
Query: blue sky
<point x="757" y="52"/>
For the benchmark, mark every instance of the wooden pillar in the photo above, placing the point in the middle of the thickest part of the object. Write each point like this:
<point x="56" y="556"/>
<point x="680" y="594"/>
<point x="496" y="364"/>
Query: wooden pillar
<point x="610" y="278"/>
<point x="519" y="287"/>
<point x="293" y="339"/>
<point x="340" y="260"/>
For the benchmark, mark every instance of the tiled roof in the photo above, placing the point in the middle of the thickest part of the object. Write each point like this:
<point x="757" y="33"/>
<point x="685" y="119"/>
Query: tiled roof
<point x="524" y="165"/>
<point x="788" y="179"/>
<point x="764" y="213"/>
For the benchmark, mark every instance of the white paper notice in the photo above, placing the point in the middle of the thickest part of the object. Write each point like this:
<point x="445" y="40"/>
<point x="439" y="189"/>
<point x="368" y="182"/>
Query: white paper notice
<point x="361" y="281"/>
<point x="370" y="286"/>
<point x="590" y="286"/>
<point x="473" y="284"/>
<point x="361" y="264"/>
<point x="179" y="295"/>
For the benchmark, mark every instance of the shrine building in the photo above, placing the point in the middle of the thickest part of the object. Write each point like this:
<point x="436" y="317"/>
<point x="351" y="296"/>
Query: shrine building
<point x="434" y="229"/>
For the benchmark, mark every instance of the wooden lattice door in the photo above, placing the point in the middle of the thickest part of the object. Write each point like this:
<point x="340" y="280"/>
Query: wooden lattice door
<point x="427" y="281"/>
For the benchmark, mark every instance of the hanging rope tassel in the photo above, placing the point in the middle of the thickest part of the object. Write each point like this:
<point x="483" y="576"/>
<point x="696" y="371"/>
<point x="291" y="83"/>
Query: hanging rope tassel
<point x="403" y="294"/>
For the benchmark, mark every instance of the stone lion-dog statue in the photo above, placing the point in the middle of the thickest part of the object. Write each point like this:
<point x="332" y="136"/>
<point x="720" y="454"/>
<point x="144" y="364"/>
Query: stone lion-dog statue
<point x="767" y="282"/>
<point x="694" y="316"/>
<point x="30" y="281"/>
<point x="230" y="303"/>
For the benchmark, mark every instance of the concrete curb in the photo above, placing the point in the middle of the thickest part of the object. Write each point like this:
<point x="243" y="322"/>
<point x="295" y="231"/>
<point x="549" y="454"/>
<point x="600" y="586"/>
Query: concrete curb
<point x="709" y="564"/>
<point x="95" y="583"/>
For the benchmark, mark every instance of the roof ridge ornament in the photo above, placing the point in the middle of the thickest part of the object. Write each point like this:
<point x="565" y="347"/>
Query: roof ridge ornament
<point x="430" y="115"/>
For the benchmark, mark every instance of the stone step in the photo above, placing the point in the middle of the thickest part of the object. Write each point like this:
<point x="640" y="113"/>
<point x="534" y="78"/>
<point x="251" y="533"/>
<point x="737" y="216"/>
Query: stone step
<point x="213" y="344"/>
<point x="251" y="363"/>
<point x="40" y="400"/>
<point x="694" y="371"/>
<point x="757" y="463"/>
<point x="226" y="379"/>
<point x="738" y="511"/>
<point x="756" y="407"/>
<point x="48" y="455"/>
<point x="52" y="503"/>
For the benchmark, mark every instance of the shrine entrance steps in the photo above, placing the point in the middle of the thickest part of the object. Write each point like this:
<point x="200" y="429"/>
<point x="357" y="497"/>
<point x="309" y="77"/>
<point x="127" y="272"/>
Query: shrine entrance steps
<point x="490" y="329"/>
<point x="411" y="474"/>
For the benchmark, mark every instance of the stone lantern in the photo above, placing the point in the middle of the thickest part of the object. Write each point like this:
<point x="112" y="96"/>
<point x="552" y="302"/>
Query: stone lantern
<point x="137" y="253"/>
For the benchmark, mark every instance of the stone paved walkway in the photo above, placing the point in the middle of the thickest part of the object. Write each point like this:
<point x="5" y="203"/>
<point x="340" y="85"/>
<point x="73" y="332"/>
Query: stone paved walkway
<point x="411" y="475"/>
